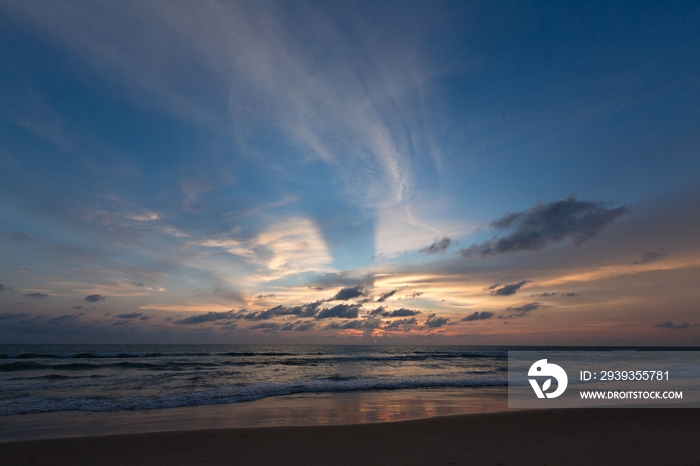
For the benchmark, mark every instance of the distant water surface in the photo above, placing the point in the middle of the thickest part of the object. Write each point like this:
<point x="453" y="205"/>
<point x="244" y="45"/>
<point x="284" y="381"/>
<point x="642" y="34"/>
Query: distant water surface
<point x="51" y="378"/>
<point x="109" y="378"/>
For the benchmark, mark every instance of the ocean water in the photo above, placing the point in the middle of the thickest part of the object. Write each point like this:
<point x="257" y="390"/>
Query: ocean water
<point x="109" y="378"/>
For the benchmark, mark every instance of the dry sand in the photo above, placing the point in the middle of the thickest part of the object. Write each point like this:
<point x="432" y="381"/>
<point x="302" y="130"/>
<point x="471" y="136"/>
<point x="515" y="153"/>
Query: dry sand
<point x="548" y="437"/>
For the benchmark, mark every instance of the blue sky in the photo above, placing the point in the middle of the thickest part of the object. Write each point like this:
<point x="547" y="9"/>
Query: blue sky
<point x="226" y="158"/>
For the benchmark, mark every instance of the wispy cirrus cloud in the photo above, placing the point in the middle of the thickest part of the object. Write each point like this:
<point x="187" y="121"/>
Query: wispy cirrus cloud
<point x="328" y="96"/>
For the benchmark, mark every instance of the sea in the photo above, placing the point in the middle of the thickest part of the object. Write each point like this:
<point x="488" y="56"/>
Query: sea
<point x="49" y="391"/>
<point x="99" y="378"/>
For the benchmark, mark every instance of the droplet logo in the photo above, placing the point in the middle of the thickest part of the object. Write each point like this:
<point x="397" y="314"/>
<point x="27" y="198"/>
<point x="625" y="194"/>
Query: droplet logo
<point x="542" y="368"/>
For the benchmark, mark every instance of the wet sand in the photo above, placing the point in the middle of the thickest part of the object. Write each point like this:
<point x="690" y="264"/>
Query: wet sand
<point x="547" y="437"/>
<point x="292" y="410"/>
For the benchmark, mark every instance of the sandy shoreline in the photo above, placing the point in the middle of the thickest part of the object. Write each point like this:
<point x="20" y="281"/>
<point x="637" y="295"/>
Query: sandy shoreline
<point x="547" y="437"/>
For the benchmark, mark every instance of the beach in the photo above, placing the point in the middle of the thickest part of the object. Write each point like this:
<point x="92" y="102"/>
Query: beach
<point x="259" y="405"/>
<point x="541" y="437"/>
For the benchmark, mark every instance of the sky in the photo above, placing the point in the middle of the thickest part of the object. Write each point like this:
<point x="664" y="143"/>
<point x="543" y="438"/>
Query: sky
<point x="350" y="172"/>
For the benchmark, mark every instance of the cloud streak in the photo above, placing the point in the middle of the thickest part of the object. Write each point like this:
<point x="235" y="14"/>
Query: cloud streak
<point x="384" y="296"/>
<point x="483" y="315"/>
<point x="683" y="325"/>
<point x="520" y="311"/>
<point x="652" y="256"/>
<point x="93" y="298"/>
<point x="207" y="317"/>
<point x="401" y="322"/>
<point x="437" y="246"/>
<point x="403" y="312"/>
<point x="508" y="290"/>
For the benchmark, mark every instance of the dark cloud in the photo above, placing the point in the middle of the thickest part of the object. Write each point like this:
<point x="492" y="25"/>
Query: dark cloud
<point x="265" y="326"/>
<point x="383" y="297"/>
<point x="36" y="295"/>
<point x="303" y="327"/>
<point x="144" y="317"/>
<point x="398" y="322"/>
<point x="682" y="325"/>
<point x="544" y="295"/>
<point x="349" y="293"/>
<point x="137" y="284"/>
<point x="478" y="316"/>
<point x="341" y="311"/>
<point x="494" y="286"/>
<point x="299" y="326"/>
<point x="93" y="298"/>
<point x="415" y="294"/>
<point x="265" y="296"/>
<point x="534" y="229"/>
<point x="207" y="317"/>
<point x="287" y="327"/>
<point x="652" y="256"/>
<point x="435" y="322"/>
<point x="62" y="319"/>
<point x="508" y="290"/>
<point x="437" y="246"/>
<point x="570" y="295"/>
<point x="403" y="312"/>
<point x="132" y="315"/>
<point x="5" y="289"/>
<point x="520" y="311"/>
<point x="360" y="324"/>
<point x="306" y="310"/>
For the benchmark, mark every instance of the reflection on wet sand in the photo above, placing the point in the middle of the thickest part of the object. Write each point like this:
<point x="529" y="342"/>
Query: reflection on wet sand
<point x="295" y="410"/>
